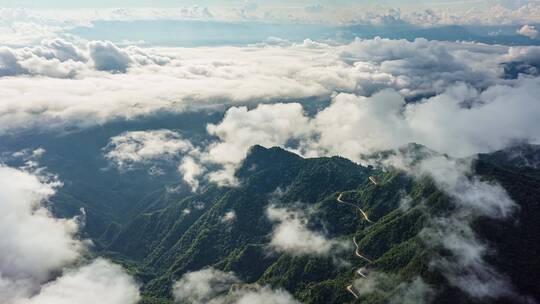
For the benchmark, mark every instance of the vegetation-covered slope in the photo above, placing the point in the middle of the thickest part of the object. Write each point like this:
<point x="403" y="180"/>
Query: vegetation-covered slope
<point x="191" y="233"/>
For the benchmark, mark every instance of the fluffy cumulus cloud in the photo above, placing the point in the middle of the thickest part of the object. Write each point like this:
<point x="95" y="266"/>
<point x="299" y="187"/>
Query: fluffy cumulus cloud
<point x="214" y="287"/>
<point x="60" y="58"/>
<point x="130" y="148"/>
<point x="269" y="125"/>
<point x="9" y="66"/>
<point x="458" y="122"/>
<point x="35" y="247"/>
<point x="527" y="55"/>
<point x="108" y="57"/>
<point x="33" y="243"/>
<point x="528" y="31"/>
<point x="291" y="234"/>
<point x="99" y="282"/>
<point x="203" y="286"/>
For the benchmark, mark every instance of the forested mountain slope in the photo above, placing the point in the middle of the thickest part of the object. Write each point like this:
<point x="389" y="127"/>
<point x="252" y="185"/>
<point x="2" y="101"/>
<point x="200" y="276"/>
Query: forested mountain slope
<point x="229" y="229"/>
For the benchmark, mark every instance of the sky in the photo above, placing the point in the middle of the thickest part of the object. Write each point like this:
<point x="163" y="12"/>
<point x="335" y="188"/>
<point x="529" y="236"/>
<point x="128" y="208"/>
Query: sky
<point x="424" y="12"/>
<point x="263" y="3"/>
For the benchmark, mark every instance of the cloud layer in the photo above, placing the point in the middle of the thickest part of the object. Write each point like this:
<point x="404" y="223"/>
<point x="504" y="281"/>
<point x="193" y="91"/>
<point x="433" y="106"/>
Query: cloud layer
<point x="35" y="248"/>
<point x="98" y="82"/>
<point x="451" y="12"/>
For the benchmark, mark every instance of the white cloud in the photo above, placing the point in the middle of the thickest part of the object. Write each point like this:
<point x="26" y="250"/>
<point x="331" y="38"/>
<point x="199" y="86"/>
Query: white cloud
<point x="146" y="147"/>
<point x="108" y="57"/>
<point x="528" y="31"/>
<point x="19" y="27"/>
<point x="33" y="244"/>
<point x="394" y="291"/>
<point x="130" y="148"/>
<point x="229" y="216"/>
<point x="59" y="58"/>
<point x="214" y="287"/>
<point x="35" y="248"/>
<point x="30" y="26"/>
<point x="203" y="286"/>
<point x="191" y="171"/>
<point x="314" y="8"/>
<point x="414" y="292"/>
<point x="527" y="55"/>
<point x="268" y="125"/>
<point x="99" y="282"/>
<point x="353" y="125"/>
<point x="465" y="267"/>
<point x="451" y="13"/>
<point x="476" y="196"/>
<point x="9" y="66"/>
<point x="267" y="296"/>
<point x="292" y="235"/>
<point x="78" y="95"/>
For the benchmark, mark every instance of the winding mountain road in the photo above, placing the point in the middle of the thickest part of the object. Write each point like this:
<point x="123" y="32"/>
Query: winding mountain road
<point x="363" y="271"/>
<point x="350" y="289"/>
<point x="355" y="206"/>
<point x="358" y="253"/>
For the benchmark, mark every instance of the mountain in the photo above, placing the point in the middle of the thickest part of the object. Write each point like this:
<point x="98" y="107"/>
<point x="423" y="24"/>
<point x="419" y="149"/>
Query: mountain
<point x="187" y="234"/>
